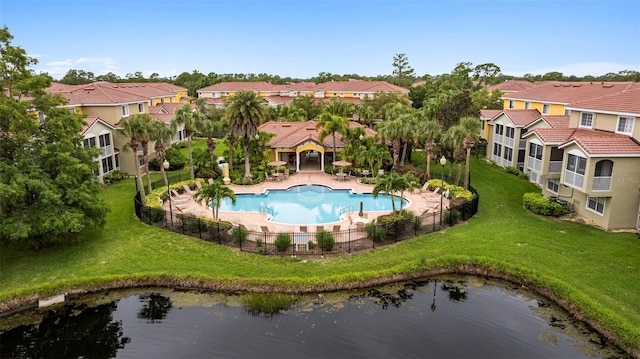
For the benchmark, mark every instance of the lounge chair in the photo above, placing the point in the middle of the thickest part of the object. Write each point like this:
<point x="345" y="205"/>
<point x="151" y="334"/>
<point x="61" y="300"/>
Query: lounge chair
<point x="304" y="229"/>
<point x="210" y="180"/>
<point x="336" y="228"/>
<point x="198" y="184"/>
<point x="187" y="189"/>
<point x="264" y="229"/>
<point x="319" y="228"/>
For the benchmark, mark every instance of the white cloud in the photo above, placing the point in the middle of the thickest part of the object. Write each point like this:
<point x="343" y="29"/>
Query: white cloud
<point x="580" y="69"/>
<point x="97" y="65"/>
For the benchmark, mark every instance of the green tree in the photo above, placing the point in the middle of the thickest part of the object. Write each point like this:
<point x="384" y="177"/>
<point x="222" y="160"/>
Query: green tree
<point x="245" y="112"/>
<point x="209" y="129"/>
<point x="146" y="126"/>
<point x="392" y="183"/>
<point x="162" y="133"/>
<point x="48" y="191"/>
<point x="428" y="132"/>
<point x="486" y="74"/>
<point x="375" y="155"/>
<point x="214" y="193"/>
<point x="471" y="129"/>
<point x="188" y="117"/>
<point x="77" y="77"/>
<point x="330" y="125"/>
<point x="307" y="104"/>
<point x="132" y="129"/>
<point x="402" y="71"/>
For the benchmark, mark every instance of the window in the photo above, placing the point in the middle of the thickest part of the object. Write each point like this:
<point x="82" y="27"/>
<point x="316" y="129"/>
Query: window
<point x="497" y="149"/>
<point x="527" y="105"/>
<point x="508" y="153"/>
<point x="511" y="104"/>
<point x="586" y="120"/>
<point x="535" y="151"/>
<point x="140" y="161"/>
<point x="545" y="109"/>
<point x="499" y="129"/>
<point x="576" y="164"/>
<point x="107" y="165"/>
<point x="625" y="125"/>
<point x="41" y="117"/>
<point x="140" y="107"/>
<point x="105" y="144"/>
<point x="125" y="110"/>
<point x="510" y="132"/>
<point x="567" y="112"/>
<point x="553" y="185"/>
<point x="89" y="142"/>
<point x="596" y="204"/>
<point x="604" y="168"/>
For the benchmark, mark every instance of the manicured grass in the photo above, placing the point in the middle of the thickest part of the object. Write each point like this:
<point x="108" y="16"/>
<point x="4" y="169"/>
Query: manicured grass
<point x="597" y="271"/>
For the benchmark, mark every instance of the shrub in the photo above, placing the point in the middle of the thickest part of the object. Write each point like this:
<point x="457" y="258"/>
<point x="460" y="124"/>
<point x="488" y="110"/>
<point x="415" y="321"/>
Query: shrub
<point x="311" y="245"/>
<point x="113" y="177"/>
<point x="325" y="240"/>
<point x="454" y="191"/>
<point x="240" y="234"/>
<point x="517" y="172"/>
<point x="260" y="303"/>
<point x="283" y="242"/>
<point x="452" y="217"/>
<point x="421" y="175"/>
<point x="536" y="203"/>
<point x="375" y="232"/>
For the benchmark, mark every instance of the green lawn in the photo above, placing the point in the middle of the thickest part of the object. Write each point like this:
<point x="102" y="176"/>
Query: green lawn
<point x="597" y="271"/>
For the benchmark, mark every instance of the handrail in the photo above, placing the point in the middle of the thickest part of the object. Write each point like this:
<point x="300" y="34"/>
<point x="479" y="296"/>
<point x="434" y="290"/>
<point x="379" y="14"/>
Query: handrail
<point x="344" y="210"/>
<point x="265" y="209"/>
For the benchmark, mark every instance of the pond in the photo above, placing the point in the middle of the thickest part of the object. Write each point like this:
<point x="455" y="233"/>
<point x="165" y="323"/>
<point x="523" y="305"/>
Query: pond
<point x="453" y="316"/>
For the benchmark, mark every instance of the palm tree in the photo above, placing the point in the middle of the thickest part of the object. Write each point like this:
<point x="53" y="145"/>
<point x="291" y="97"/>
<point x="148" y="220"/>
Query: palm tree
<point x="454" y="138"/>
<point x="331" y="124"/>
<point x="131" y="128"/>
<point x="365" y="114"/>
<point x="210" y="129"/>
<point x="162" y="134"/>
<point x="245" y="111"/>
<point x="375" y="155"/>
<point x="428" y="132"/>
<point x="214" y="192"/>
<point x="188" y="117"/>
<point x="471" y="128"/>
<point x="391" y="183"/>
<point x="407" y="130"/>
<point x="393" y="131"/>
<point x="146" y="126"/>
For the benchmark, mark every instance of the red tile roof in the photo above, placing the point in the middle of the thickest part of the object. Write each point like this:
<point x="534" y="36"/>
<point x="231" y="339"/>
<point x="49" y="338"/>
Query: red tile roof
<point x="489" y="114"/>
<point x="107" y="93"/>
<point x="292" y="134"/>
<point x="514" y="85"/>
<point x="164" y="111"/>
<point x="625" y="101"/>
<point x="557" y="121"/>
<point x="331" y="86"/>
<point x="89" y="121"/>
<point x="520" y="117"/>
<point x="568" y="92"/>
<point x="594" y="142"/>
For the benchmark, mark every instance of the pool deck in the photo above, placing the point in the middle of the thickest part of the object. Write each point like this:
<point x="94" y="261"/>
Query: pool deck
<point x="420" y="202"/>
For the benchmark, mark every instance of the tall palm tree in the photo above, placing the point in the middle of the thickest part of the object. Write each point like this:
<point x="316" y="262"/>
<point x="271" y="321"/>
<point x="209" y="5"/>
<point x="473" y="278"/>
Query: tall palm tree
<point x="392" y="130"/>
<point x="428" y="132"/>
<point x="188" y="117"/>
<point x="131" y="128"/>
<point x="162" y="134"/>
<point x="245" y="111"/>
<point x="365" y="114"/>
<point x="330" y="125"/>
<point x="209" y="129"/>
<point x="407" y="131"/>
<point x="214" y="192"/>
<point x="471" y="128"/>
<point x="454" y="138"/>
<point x="375" y="155"/>
<point x="146" y="126"/>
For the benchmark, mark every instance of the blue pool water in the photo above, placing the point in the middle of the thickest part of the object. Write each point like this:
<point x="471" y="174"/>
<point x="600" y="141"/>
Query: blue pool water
<point x="308" y="204"/>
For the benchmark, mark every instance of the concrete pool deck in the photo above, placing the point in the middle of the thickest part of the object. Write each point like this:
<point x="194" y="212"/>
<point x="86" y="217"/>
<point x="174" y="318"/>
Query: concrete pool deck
<point x="420" y="202"/>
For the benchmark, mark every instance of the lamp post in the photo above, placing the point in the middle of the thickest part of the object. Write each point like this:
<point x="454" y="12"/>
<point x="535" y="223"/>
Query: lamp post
<point x="166" y="166"/>
<point x="443" y="161"/>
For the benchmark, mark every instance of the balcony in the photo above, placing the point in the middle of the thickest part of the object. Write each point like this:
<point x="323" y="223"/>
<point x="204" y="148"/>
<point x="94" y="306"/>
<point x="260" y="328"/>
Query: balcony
<point x="555" y="166"/>
<point x="497" y="159"/>
<point x="573" y="179"/>
<point x="497" y="138"/>
<point x="601" y="184"/>
<point x="508" y="142"/>
<point x="522" y="143"/>
<point x="534" y="164"/>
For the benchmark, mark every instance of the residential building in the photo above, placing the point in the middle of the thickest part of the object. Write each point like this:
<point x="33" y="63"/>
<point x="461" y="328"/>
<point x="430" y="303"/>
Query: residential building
<point x="593" y="163"/>
<point x="348" y="91"/>
<point x="110" y="103"/>
<point x="99" y="134"/>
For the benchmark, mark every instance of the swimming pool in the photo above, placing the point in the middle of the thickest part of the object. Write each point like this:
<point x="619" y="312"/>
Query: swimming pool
<point x="309" y="204"/>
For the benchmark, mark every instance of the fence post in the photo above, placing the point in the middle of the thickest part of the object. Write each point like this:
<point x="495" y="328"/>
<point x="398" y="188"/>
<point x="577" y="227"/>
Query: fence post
<point x="218" y="230"/>
<point x="199" y="228"/>
<point x="434" y="222"/>
<point x="349" y="239"/>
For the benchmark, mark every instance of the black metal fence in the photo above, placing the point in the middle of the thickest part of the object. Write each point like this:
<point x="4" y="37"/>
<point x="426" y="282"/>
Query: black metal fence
<point x="319" y="240"/>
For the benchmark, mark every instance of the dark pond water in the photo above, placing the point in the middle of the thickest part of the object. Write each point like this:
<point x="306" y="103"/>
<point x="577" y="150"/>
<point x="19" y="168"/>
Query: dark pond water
<point x="453" y="317"/>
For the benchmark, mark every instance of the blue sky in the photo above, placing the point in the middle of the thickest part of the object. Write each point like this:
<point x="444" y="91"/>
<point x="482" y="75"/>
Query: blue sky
<point x="303" y="38"/>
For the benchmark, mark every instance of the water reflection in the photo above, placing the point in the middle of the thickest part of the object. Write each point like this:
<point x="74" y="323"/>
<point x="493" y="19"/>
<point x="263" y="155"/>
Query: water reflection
<point x="474" y="318"/>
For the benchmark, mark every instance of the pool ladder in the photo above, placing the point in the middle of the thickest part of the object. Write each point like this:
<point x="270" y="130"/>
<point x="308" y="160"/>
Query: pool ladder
<point x="345" y="210"/>
<point x="264" y="209"/>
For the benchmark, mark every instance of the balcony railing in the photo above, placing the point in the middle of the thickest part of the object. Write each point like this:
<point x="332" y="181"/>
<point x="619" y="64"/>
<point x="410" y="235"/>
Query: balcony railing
<point x="534" y="163"/>
<point x="497" y="138"/>
<point x="522" y="143"/>
<point x="601" y="184"/>
<point x="573" y="179"/>
<point x="508" y="142"/>
<point x="555" y="166"/>
<point x="497" y="159"/>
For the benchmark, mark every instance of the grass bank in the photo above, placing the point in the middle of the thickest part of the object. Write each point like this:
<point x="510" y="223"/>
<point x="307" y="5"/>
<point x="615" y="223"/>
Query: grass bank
<point x="594" y="273"/>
